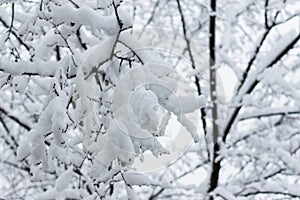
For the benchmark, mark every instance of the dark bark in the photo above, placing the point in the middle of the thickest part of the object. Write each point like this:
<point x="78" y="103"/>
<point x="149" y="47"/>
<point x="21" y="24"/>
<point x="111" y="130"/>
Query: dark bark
<point x="216" y="165"/>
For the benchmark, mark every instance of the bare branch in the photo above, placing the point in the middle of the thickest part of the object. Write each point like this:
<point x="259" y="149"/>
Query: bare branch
<point x="15" y="34"/>
<point x="266" y="14"/>
<point x="268" y="113"/>
<point x="12" y="20"/>
<point x="15" y="119"/>
<point x="197" y="81"/>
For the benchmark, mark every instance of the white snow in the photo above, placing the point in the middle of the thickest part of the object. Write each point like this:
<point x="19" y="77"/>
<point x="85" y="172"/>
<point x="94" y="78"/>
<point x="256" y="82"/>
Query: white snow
<point x="64" y="180"/>
<point x="85" y="16"/>
<point x="42" y="68"/>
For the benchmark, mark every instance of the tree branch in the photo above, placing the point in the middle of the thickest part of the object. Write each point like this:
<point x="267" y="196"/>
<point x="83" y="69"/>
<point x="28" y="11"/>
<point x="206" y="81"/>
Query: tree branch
<point x="15" y="119"/>
<point x="253" y="85"/>
<point x="12" y="20"/>
<point x="266" y="14"/>
<point x="15" y="34"/>
<point x="269" y="113"/>
<point x="197" y="81"/>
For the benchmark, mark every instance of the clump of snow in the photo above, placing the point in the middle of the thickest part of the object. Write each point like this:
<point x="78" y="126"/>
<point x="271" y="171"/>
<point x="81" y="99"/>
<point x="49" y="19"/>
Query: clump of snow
<point x="64" y="180"/>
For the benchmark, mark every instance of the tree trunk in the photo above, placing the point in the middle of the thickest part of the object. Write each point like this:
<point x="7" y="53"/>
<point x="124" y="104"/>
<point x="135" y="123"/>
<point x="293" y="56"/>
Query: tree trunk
<point x="214" y="177"/>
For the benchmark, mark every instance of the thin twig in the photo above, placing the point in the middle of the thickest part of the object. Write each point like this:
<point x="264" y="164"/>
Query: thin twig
<point x="15" y="119"/>
<point x="12" y="20"/>
<point x="197" y="81"/>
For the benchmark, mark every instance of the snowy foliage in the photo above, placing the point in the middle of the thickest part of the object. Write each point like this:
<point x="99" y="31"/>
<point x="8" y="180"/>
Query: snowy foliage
<point x="86" y="98"/>
<point x="87" y="111"/>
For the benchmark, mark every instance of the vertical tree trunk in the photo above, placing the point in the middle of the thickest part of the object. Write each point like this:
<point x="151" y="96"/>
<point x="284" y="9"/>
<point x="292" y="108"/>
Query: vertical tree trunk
<point x="214" y="177"/>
